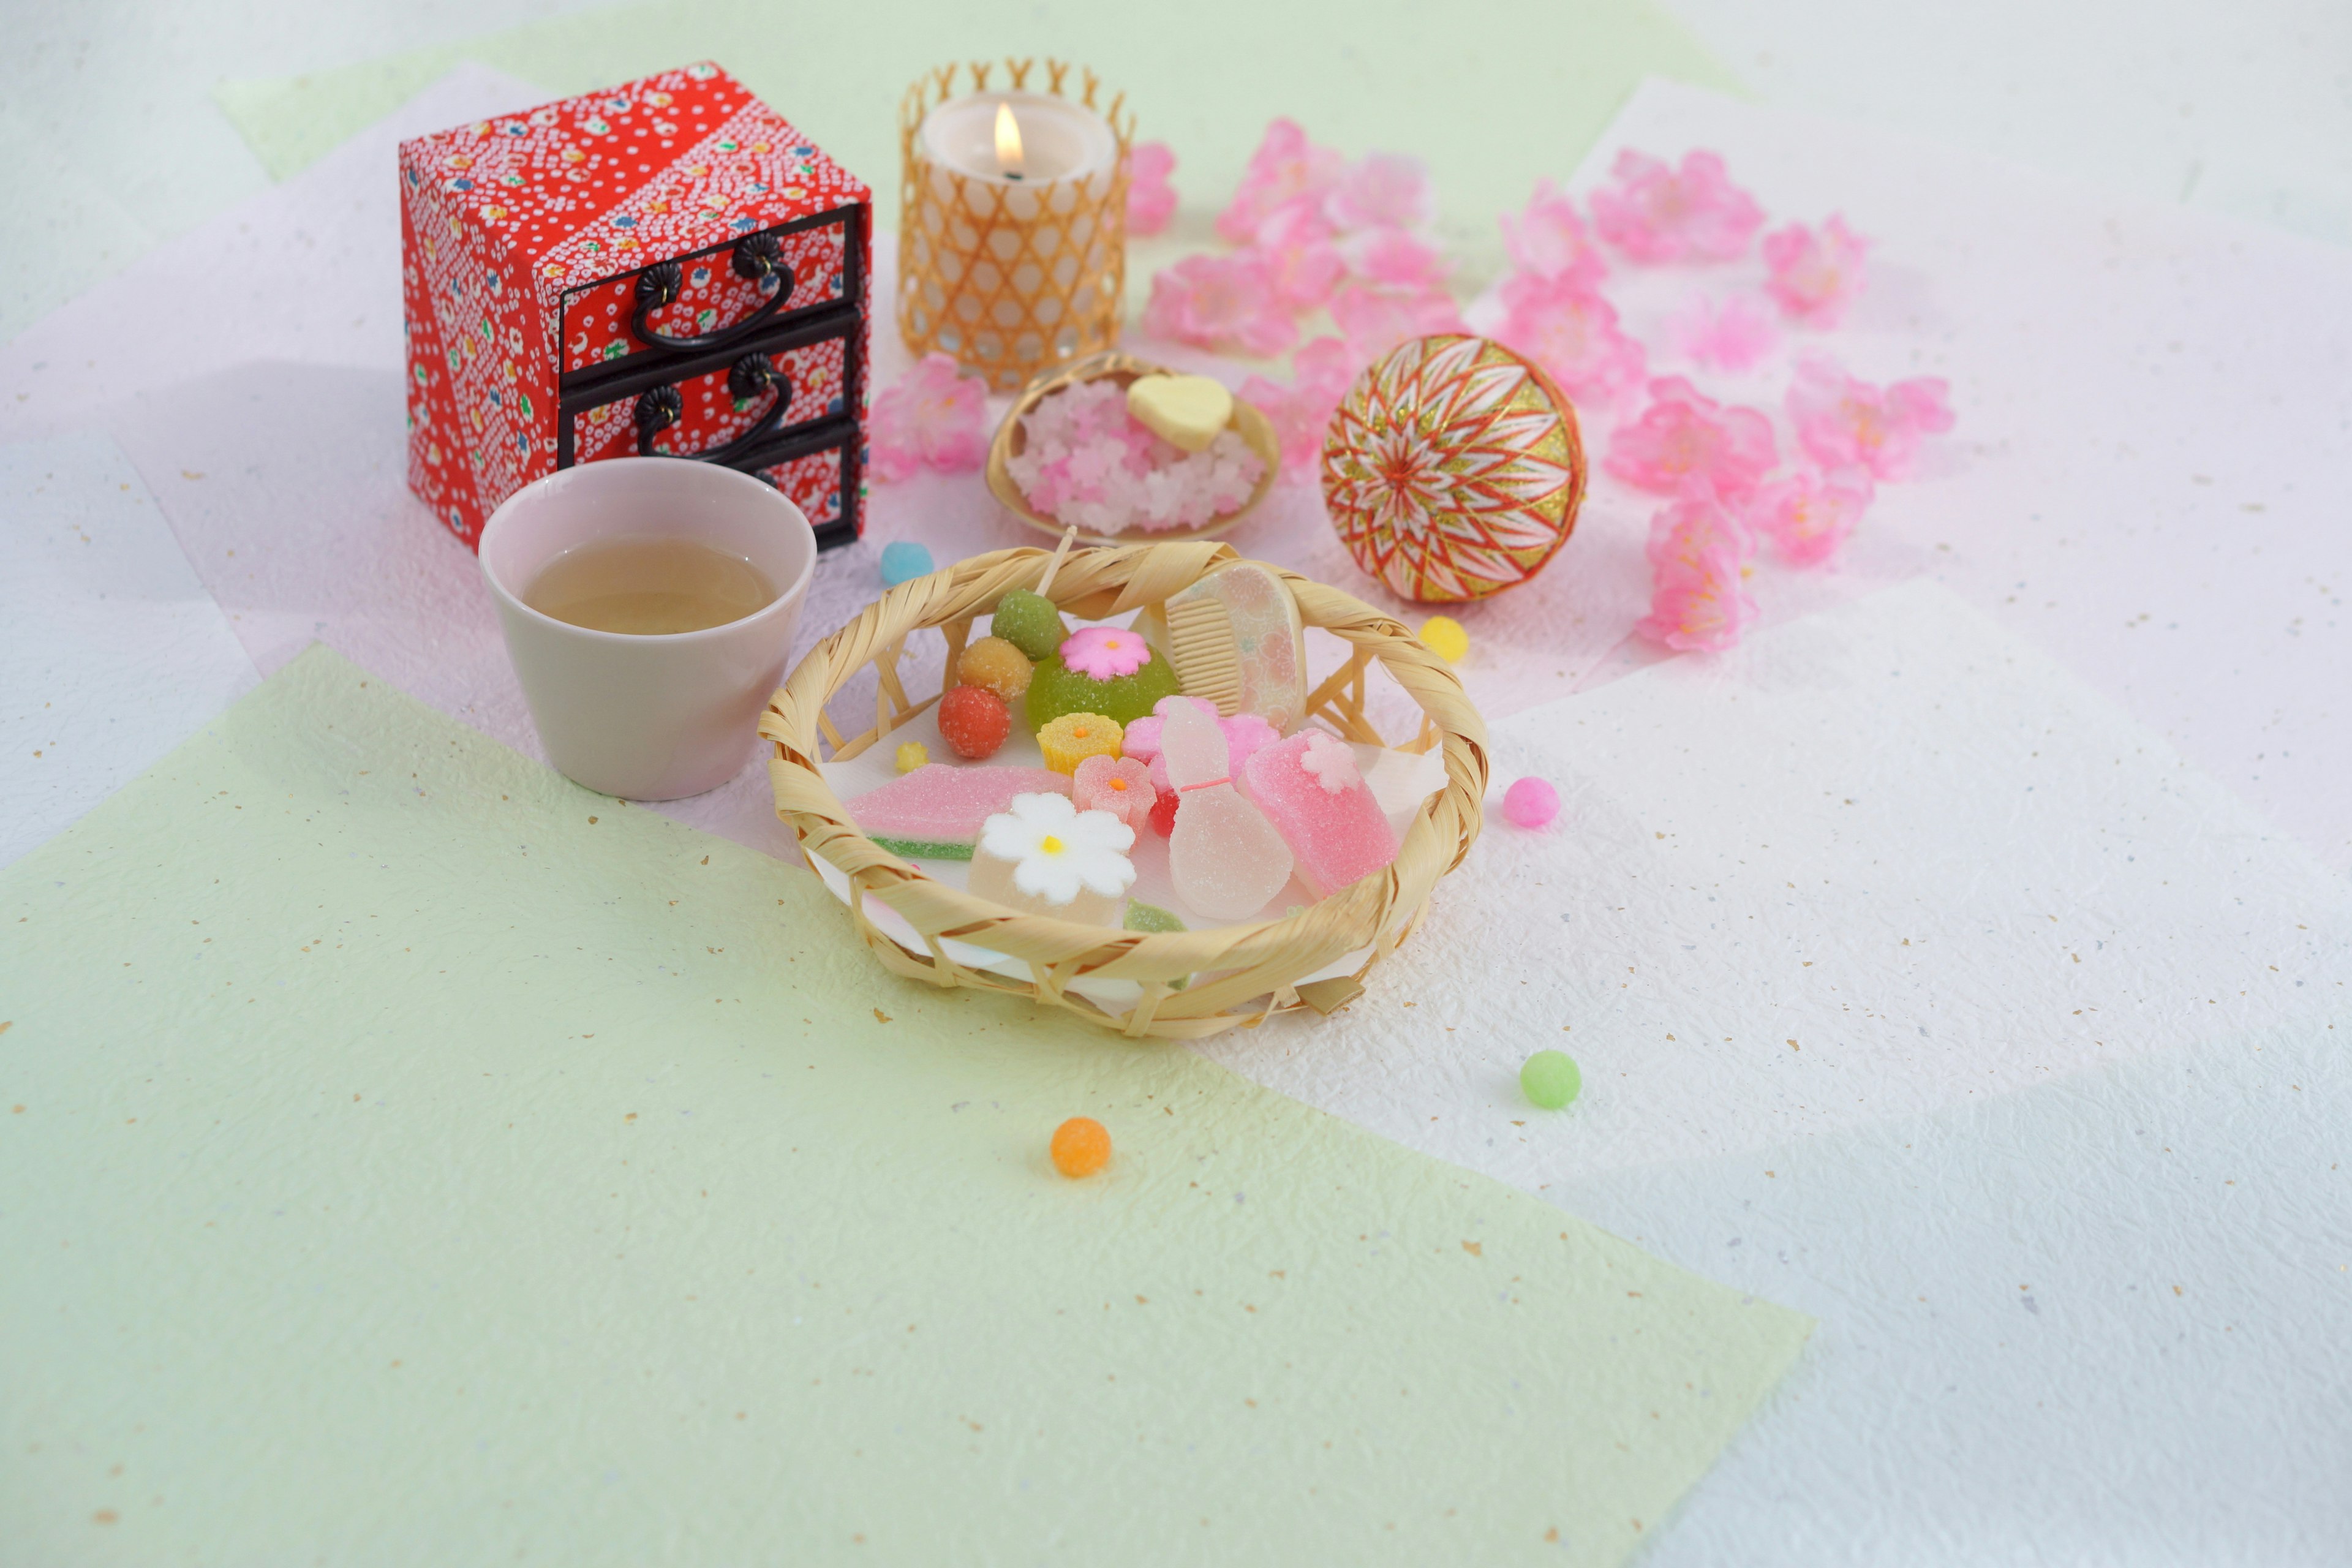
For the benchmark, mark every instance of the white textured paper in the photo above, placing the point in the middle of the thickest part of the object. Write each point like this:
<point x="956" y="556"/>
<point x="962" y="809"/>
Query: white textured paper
<point x="111" y="653"/>
<point x="1878" y="861"/>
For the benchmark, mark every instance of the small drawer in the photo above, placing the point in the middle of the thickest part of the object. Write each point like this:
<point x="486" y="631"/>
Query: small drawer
<point x="709" y="300"/>
<point x="712" y="406"/>
<point x="821" y="472"/>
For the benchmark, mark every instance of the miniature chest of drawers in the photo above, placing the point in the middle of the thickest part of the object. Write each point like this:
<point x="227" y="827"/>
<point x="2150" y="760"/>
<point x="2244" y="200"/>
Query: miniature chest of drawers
<point x="666" y="267"/>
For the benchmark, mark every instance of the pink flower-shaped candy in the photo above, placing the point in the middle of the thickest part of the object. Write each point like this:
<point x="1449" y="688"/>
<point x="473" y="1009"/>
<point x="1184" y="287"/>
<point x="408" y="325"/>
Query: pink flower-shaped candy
<point x="932" y="417"/>
<point x="1225" y="302"/>
<point x="1809" y="515"/>
<point x="1814" y="276"/>
<point x="1321" y="373"/>
<point x="1120" y="785"/>
<point x="1685" y="437"/>
<point x="1699" y="605"/>
<point x="1374" y="318"/>
<point x="1572" y="334"/>
<point x="1381" y="190"/>
<point x="1656" y="212"/>
<point x="1104" y="653"/>
<point x="1548" y="240"/>
<point x="1286" y="164"/>
<point x="1696" y="529"/>
<point x="1151" y="199"/>
<point x="1141" y="739"/>
<point x="1331" y="761"/>
<point x="1295" y="242"/>
<point x="1844" y="423"/>
<point x="1731" y="335"/>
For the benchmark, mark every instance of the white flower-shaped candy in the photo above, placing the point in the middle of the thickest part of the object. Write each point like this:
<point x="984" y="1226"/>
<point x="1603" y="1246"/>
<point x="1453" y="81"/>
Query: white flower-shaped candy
<point x="1056" y="849"/>
<point x="1330" y="760"/>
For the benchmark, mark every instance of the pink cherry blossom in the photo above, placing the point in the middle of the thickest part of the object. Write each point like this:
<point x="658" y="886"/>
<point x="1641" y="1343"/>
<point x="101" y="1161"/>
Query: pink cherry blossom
<point x="1549" y="241"/>
<point x="1375" y="319"/>
<point x="1685" y="437"/>
<point x="1695" y="528"/>
<point x="932" y="417"/>
<point x="1698" y="606"/>
<point x="1321" y="373"/>
<point x="1571" y="331"/>
<point x="1808" y="515"/>
<point x="1394" y="258"/>
<point x="1296" y="241"/>
<point x="1732" y="334"/>
<point x="1815" y="276"/>
<point x="1151" y="199"/>
<point x="1659" y="213"/>
<point x="1286" y="164"/>
<point x="1381" y="190"/>
<point x="1104" y="653"/>
<point x="1226" y="303"/>
<point x="1841" y="422"/>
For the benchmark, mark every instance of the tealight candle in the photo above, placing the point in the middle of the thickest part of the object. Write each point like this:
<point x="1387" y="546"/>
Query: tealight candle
<point x="1013" y="235"/>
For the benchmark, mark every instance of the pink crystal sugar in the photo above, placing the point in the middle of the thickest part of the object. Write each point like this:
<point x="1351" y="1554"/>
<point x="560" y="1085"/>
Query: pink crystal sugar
<point x="1086" y="460"/>
<point x="1309" y="787"/>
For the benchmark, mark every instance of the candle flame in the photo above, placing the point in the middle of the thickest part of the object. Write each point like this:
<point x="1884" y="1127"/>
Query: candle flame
<point x="1008" y="140"/>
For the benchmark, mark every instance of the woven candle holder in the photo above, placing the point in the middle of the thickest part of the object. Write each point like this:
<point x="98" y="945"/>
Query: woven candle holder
<point x="1230" y="976"/>
<point x="1010" y="278"/>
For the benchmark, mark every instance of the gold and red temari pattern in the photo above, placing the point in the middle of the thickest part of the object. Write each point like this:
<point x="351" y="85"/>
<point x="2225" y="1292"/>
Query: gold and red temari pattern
<point x="1453" y="469"/>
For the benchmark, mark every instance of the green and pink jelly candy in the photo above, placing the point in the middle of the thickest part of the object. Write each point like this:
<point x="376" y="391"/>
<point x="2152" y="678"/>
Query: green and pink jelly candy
<point x="1056" y="690"/>
<point x="1309" y="787"/>
<point x="1030" y="623"/>
<point x="936" y="813"/>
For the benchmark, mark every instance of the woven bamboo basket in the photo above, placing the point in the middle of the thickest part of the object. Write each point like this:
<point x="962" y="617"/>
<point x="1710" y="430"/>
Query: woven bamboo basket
<point x="1230" y="976"/>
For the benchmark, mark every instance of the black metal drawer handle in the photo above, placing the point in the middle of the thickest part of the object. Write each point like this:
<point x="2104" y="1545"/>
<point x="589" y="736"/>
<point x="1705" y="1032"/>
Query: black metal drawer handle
<point x="662" y="406"/>
<point x="757" y="257"/>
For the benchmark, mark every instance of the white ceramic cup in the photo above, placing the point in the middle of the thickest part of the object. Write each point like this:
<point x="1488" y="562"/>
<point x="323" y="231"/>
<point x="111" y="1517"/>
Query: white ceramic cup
<point x="648" y="718"/>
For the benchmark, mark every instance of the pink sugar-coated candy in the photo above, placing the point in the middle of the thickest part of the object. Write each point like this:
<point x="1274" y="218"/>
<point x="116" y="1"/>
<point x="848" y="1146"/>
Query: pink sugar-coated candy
<point x="1225" y="858"/>
<point x="943" y="806"/>
<point x="1141" y="739"/>
<point x="1530" y="803"/>
<point x="1309" y="787"/>
<point x="1120" y="785"/>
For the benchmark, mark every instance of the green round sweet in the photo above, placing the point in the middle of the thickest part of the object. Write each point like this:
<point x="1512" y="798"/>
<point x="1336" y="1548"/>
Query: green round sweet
<point x="1056" y="690"/>
<point x="1550" y="1080"/>
<point x="1030" y="623"/>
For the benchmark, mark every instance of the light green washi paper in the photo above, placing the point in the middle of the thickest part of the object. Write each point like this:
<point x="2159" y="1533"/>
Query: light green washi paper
<point x="1492" y="97"/>
<point x="411" y="1157"/>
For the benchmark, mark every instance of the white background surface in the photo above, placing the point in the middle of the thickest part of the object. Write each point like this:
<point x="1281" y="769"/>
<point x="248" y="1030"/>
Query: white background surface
<point x="2005" y="1372"/>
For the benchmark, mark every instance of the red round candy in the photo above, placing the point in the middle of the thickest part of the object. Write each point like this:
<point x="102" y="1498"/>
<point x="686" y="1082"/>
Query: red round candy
<point x="974" y="722"/>
<point x="1164" y="815"/>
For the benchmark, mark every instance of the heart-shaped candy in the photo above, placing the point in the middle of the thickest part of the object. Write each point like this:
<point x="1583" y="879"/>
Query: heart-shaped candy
<point x="1185" y="411"/>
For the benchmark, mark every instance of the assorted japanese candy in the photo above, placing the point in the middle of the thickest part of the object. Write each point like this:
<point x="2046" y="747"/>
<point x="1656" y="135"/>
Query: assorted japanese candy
<point x="1186" y="727"/>
<point x="1086" y="460"/>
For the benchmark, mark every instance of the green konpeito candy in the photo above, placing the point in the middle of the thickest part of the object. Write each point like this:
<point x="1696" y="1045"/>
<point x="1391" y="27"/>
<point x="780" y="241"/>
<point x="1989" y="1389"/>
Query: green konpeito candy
<point x="1549" y="1080"/>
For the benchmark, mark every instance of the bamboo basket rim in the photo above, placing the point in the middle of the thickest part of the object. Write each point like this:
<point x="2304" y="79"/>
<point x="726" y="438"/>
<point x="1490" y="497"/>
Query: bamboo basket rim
<point x="1249" y="422"/>
<point x="1228" y="967"/>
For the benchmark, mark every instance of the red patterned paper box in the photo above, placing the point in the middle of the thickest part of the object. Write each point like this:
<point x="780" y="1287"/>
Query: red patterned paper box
<point x="664" y="266"/>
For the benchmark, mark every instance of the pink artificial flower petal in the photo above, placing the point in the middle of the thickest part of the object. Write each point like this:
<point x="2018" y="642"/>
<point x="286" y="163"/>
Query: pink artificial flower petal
<point x="1381" y="190"/>
<point x="1301" y="412"/>
<point x="1548" y="240"/>
<point x="1104" y="653"/>
<point x="1659" y="213"/>
<point x="1151" y="199"/>
<point x="1394" y="258"/>
<point x="932" y="417"/>
<point x="1814" y="277"/>
<point x="1808" y="515"/>
<point x="1685" y="437"/>
<point x="1226" y="303"/>
<point x="1572" y="333"/>
<point x="1696" y="528"/>
<point x="1732" y="334"/>
<point x="1297" y="244"/>
<point x="1844" y="423"/>
<point x="1699" y="607"/>
<point x="1374" y="320"/>
<point x="1286" y="164"/>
